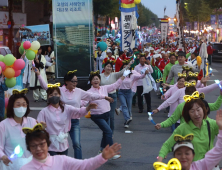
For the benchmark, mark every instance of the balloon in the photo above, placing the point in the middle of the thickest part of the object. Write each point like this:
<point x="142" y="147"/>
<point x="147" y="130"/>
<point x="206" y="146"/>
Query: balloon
<point x="102" y="45"/>
<point x="2" y="65"/>
<point x="17" y="73"/>
<point x="10" y="82"/>
<point x="1" y="57"/>
<point x="26" y="45"/>
<point x="9" y="59"/>
<point x="30" y="54"/>
<point x="35" y="51"/>
<point x="6" y="102"/>
<point x="9" y="72"/>
<point x="21" y="50"/>
<point x="137" y="1"/>
<point x="35" y="45"/>
<point x="19" y="64"/>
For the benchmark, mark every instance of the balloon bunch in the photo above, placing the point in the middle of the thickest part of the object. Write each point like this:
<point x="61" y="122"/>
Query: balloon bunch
<point x="11" y="68"/>
<point x="31" y="49"/>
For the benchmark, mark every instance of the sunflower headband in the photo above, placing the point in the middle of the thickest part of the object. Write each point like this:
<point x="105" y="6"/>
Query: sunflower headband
<point x="94" y="72"/>
<point x="187" y="68"/>
<point x="188" y="98"/>
<point x="179" y="138"/>
<point x="189" y="84"/>
<point x="159" y="80"/>
<point x="24" y="91"/>
<point x="71" y="72"/>
<point x="173" y="164"/>
<point x="173" y="53"/>
<point x="193" y="74"/>
<point x="53" y="85"/>
<point x="126" y="61"/>
<point x="37" y="127"/>
<point x="182" y="75"/>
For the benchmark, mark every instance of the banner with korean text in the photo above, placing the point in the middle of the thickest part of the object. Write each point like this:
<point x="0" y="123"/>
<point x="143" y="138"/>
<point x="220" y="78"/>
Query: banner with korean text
<point x="164" y="29"/>
<point x="73" y="36"/>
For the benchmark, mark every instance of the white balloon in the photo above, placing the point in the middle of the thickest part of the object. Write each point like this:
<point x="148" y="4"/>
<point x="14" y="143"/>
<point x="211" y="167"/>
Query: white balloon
<point x="35" y="45"/>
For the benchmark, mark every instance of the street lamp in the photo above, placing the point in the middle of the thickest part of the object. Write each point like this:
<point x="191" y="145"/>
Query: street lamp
<point x="169" y="19"/>
<point x="175" y="19"/>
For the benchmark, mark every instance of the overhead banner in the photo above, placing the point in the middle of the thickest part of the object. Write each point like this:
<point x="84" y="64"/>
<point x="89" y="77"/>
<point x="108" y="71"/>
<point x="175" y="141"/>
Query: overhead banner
<point x="213" y="21"/>
<point x="220" y="21"/>
<point x="127" y="31"/>
<point x="73" y="36"/>
<point x="39" y="33"/>
<point x="164" y="29"/>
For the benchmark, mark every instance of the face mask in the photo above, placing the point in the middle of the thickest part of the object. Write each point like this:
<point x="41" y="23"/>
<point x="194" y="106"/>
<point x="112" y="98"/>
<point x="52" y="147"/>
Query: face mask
<point x="54" y="99"/>
<point x="20" y="112"/>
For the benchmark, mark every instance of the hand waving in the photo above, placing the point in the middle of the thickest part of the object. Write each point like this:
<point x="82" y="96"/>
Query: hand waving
<point x="111" y="151"/>
<point x="126" y="73"/>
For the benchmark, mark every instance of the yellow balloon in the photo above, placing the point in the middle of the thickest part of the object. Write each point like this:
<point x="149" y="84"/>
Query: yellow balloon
<point x="35" y="51"/>
<point x="137" y="1"/>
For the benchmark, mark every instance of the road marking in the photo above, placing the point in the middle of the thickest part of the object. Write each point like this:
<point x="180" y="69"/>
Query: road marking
<point x="36" y="108"/>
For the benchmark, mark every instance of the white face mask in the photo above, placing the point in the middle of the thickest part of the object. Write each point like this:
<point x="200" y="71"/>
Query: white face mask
<point x="20" y="112"/>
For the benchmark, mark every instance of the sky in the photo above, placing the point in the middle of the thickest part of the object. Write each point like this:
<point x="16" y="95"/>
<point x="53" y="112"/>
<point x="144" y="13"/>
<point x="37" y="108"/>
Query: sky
<point x="157" y="7"/>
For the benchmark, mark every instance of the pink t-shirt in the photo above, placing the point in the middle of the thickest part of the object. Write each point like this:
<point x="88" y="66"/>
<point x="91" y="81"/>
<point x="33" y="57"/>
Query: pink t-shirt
<point x="11" y="135"/>
<point x="62" y="162"/>
<point x="138" y="68"/>
<point x="58" y="121"/>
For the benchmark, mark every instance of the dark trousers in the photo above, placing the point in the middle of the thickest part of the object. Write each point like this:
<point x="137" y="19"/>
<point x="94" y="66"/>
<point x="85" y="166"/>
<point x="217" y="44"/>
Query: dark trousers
<point x="52" y="153"/>
<point x="209" y="59"/>
<point x="140" y="99"/>
<point x="102" y="122"/>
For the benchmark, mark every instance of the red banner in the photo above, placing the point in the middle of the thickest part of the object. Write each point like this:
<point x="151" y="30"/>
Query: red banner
<point x="127" y="1"/>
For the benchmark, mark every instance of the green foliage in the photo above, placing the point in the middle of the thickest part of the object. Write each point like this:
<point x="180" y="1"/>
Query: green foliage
<point x="197" y="10"/>
<point x="102" y="7"/>
<point x="146" y="16"/>
<point x="214" y="4"/>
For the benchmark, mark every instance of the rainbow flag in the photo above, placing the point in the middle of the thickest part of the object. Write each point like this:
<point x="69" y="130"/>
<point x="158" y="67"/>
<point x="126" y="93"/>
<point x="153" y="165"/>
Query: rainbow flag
<point x="164" y="20"/>
<point x="127" y="6"/>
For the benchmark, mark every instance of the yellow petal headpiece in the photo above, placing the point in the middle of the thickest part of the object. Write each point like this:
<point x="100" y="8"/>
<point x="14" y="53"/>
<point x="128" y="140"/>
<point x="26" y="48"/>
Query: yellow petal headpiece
<point x="186" y="68"/>
<point x="173" y="164"/>
<point x="71" y="72"/>
<point x="189" y="84"/>
<point x="202" y="96"/>
<point x="193" y="74"/>
<point x="24" y="91"/>
<point x="188" y="98"/>
<point x="159" y="80"/>
<point x="94" y="72"/>
<point x="126" y="61"/>
<point x="179" y="138"/>
<point x="31" y="130"/>
<point x="53" y="85"/>
<point x="111" y="61"/>
<point x="182" y="75"/>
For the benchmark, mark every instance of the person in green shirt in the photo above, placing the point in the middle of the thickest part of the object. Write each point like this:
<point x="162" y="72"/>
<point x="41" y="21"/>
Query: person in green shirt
<point x="173" y="61"/>
<point x="177" y="114"/>
<point x="195" y="114"/>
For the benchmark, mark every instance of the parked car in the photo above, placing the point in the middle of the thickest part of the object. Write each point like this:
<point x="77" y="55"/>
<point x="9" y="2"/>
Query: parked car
<point x="5" y="50"/>
<point x="217" y="54"/>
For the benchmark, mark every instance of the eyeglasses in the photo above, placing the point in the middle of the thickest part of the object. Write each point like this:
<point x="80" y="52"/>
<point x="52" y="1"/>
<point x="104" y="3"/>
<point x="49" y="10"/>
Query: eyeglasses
<point x="41" y="145"/>
<point x="73" y="81"/>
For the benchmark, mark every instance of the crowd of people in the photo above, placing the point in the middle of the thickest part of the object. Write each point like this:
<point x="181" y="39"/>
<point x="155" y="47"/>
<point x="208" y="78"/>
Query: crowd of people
<point x="176" y="75"/>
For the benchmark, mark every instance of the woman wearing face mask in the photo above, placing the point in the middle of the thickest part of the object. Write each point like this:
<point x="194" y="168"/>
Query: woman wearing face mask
<point x="11" y="134"/>
<point x="194" y="114"/>
<point x="185" y="150"/>
<point x="178" y="95"/>
<point x="58" y="118"/>
<point x="180" y="84"/>
<point x="38" y="144"/>
<point x="177" y="114"/>
<point x="72" y="95"/>
<point x="107" y="78"/>
<point x="101" y="115"/>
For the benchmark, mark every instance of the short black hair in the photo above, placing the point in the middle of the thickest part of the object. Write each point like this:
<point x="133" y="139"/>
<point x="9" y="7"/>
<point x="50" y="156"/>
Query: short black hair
<point x="120" y="53"/>
<point x="192" y="78"/>
<point x="142" y="55"/>
<point x="94" y="75"/>
<point x="107" y="63"/>
<point x="68" y="77"/>
<point x="181" y="53"/>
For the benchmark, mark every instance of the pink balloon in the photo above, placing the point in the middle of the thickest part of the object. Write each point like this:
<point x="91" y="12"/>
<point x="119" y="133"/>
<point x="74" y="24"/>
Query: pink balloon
<point x="6" y="102"/>
<point x="17" y="73"/>
<point x="2" y="66"/>
<point x="19" y="64"/>
<point x="26" y="45"/>
<point x="0" y="70"/>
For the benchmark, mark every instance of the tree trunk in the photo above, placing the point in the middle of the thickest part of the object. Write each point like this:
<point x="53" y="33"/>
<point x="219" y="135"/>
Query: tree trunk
<point x="10" y="35"/>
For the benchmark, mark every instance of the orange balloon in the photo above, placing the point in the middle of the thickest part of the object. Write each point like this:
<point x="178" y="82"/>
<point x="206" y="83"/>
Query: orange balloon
<point x="11" y="65"/>
<point x="9" y="73"/>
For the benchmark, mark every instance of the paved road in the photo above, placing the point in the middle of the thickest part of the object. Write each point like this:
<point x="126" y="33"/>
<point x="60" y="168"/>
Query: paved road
<point x="139" y="149"/>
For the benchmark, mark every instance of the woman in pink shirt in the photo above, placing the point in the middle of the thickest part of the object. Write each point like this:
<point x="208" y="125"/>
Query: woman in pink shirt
<point x="38" y="144"/>
<point x="58" y="119"/>
<point x="11" y="134"/>
<point x="125" y="94"/>
<point x="180" y="84"/>
<point x="101" y="115"/>
<point x="72" y="95"/>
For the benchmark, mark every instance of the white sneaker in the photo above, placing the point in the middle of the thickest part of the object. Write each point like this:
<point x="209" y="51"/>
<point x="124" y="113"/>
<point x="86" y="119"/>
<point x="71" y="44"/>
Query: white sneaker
<point x="131" y="117"/>
<point x="116" y="157"/>
<point x="117" y="111"/>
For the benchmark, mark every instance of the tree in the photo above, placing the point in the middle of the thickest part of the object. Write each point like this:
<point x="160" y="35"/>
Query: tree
<point x="214" y="4"/>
